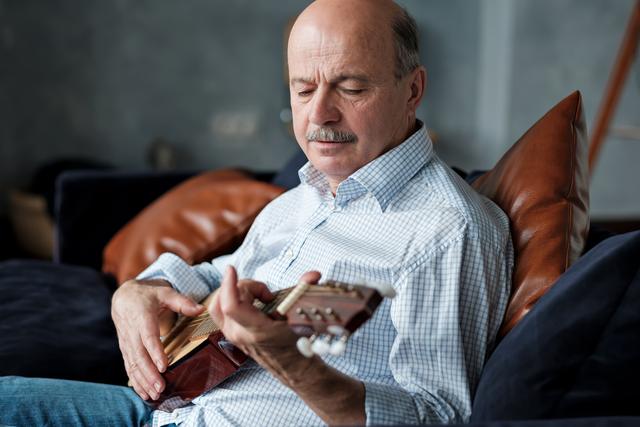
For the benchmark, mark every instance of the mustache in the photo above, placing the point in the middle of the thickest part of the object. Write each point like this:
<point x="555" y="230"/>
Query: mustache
<point x="330" y="134"/>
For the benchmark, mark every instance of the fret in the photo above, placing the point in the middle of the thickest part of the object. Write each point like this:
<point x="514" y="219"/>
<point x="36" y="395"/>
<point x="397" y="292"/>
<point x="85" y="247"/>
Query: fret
<point x="203" y="325"/>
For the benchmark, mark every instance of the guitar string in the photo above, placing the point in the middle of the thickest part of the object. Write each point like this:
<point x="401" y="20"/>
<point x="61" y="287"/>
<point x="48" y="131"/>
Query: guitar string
<point x="203" y="325"/>
<point x="206" y="326"/>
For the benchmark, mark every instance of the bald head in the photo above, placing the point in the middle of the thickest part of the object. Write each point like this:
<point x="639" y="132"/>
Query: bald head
<point x="380" y="25"/>
<point x="353" y="92"/>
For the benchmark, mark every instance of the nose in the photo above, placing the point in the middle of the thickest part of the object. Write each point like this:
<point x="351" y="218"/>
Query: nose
<point x="323" y="108"/>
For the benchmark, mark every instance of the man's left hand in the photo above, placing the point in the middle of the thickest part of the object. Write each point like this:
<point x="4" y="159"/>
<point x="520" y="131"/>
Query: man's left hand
<point x="267" y="341"/>
<point x="335" y="397"/>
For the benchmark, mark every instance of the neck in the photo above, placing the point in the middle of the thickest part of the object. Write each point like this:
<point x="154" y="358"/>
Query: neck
<point x="412" y="127"/>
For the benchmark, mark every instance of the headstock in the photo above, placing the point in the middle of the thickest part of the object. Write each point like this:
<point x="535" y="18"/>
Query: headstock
<point x="325" y="315"/>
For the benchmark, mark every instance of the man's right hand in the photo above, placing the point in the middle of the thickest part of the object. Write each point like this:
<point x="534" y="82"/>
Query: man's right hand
<point x="138" y="309"/>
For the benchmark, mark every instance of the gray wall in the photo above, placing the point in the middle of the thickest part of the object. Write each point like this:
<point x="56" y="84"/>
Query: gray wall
<point x="563" y="45"/>
<point x="101" y="79"/>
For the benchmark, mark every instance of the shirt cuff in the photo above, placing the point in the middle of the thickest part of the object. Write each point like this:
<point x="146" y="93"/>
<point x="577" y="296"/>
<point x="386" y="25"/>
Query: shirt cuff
<point x="179" y="274"/>
<point x="391" y="404"/>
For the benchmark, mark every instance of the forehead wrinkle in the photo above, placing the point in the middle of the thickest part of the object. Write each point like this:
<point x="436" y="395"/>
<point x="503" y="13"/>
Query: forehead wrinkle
<point x="361" y="78"/>
<point x="333" y="63"/>
<point x="316" y="46"/>
<point x="330" y="67"/>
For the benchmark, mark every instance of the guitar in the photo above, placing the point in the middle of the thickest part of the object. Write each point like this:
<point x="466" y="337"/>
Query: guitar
<point x="323" y="316"/>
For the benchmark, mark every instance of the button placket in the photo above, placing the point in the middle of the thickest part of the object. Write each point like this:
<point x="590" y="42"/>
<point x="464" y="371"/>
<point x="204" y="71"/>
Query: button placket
<point x="290" y="254"/>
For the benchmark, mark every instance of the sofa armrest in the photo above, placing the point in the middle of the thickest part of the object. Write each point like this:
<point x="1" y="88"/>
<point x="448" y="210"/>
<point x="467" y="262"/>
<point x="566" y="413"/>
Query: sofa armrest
<point x="91" y="206"/>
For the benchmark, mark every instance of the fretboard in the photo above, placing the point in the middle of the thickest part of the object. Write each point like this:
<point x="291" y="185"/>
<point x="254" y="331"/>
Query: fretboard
<point x="203" y="325"/>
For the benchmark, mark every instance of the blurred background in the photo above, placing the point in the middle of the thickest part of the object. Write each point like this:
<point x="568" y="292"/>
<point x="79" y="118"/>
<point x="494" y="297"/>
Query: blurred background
<point x="199" y="84"/>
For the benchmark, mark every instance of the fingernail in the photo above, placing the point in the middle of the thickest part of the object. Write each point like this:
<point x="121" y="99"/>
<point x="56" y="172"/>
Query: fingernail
<point x="160" y="366"/>
<point x="157" y="387"/>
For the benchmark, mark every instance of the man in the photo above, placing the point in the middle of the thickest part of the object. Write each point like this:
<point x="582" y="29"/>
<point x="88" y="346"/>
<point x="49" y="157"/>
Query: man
<point x="375" y="205"/>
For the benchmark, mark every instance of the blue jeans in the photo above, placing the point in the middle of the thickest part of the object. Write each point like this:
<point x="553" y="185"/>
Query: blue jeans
<point x="48" y="402"/>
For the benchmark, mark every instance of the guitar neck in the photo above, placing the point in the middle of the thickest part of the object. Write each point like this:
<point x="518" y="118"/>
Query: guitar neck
<point x="203" y="325"/>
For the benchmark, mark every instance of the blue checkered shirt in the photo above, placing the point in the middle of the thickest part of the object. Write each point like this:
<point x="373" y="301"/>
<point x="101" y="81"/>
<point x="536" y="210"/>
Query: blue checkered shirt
<point x="405" y="219"/>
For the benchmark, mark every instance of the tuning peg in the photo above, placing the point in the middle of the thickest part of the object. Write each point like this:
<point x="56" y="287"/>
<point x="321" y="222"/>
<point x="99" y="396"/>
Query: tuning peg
<point x="330" y="312"/>
<point x="338" y="346"/>
<point x="304" y="346"/>
<point x="321" y="346"/>
<point x="336" y="330"/>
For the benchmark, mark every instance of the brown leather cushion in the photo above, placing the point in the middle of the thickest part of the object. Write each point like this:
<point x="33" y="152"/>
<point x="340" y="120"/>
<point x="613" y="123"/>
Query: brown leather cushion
<point x="203" y="217"/>
<point x="542" y="184"/>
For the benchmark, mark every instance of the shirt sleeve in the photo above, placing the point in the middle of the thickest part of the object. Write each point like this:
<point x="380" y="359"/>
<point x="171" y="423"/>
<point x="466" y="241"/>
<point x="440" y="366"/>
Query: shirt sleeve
<point x="200" y="280"/>
<point x="196" y="281"/>
<point x="447" y="312"/>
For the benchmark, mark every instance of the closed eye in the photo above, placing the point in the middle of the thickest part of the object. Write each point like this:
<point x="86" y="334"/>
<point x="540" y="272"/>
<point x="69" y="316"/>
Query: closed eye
<point x="353" y="91"/>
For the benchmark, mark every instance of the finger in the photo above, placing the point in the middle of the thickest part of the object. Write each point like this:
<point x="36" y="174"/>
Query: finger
<point x="125" y="357"/>
<point x="229" y="283"/>
<point x="254" y="289"/>
<point x="132" y="374"/>
<point x="137" y="382"/>
<point x="231" y="305"/>
<point x="310" y="277"/>
<point x="143" y="331"/>
<point x="170" y="298"/>
<point x="137" y="388"/>
<point x="133" y="380"/>
<point x="148" y="380"/>
<point x="229" y="295"/>
<point x="215" y="311"/>
<point x="127" y="343"/>
<point x="166" y="320"/>
<point x="143" y="368"/>
<point x="123" y="351"/>
<point x="150" y="336"/>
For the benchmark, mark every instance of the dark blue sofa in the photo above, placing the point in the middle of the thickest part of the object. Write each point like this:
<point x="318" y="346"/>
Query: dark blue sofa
<point x="574" y="360"/>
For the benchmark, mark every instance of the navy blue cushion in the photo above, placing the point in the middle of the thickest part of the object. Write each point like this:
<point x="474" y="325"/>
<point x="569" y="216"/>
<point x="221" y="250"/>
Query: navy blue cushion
<point x="577" y="353"/>
<point x="91" y="206"/>
<point x="287" y="177"/>
<point x="565" y="422"/>
<point x="56" y="323"/>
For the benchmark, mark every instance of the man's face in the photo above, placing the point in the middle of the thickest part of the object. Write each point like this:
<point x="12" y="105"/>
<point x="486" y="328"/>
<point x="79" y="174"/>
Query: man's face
<point x="348" y="108"/>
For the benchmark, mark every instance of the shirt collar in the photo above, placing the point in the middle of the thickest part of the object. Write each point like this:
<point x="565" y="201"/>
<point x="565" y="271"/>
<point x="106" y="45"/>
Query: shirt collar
<point x="384" y="176"/>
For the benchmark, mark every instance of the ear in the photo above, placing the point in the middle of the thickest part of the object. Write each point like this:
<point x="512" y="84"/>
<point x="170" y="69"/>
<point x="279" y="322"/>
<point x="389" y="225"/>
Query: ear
<point x="417" y="82"/>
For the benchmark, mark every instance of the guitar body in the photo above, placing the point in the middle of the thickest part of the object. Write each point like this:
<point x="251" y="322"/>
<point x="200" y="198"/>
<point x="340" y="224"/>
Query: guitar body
<point x="210" y="363"/>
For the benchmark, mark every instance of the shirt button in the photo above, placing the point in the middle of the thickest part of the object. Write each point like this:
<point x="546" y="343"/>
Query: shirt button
<point x="289" y="253"/>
